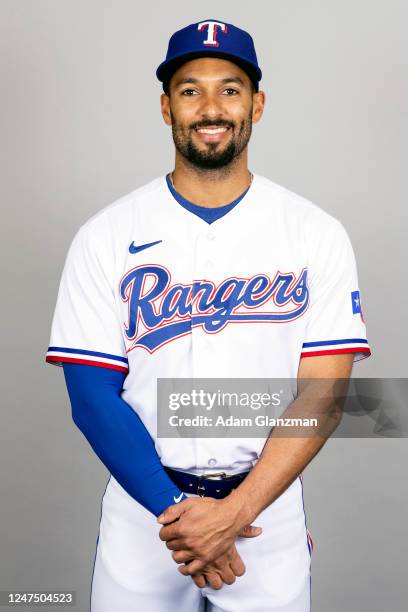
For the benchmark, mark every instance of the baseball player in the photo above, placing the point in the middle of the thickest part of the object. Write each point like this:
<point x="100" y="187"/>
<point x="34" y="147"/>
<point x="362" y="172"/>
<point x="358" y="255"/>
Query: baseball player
<point x="211" y="271"/>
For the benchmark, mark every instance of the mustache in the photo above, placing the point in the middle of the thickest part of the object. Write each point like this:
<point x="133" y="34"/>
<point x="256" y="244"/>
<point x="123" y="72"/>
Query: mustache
<point x="211" y="123"/>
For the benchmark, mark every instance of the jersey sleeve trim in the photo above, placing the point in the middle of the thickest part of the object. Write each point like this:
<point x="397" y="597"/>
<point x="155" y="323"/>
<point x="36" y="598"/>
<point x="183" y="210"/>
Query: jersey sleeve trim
<point x="58" y="355"/>
<point x="337" y="347"/>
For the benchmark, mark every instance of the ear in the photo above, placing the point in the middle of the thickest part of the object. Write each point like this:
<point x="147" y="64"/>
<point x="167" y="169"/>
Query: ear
<point x="165" y="108"/>
<point x="258" y="106"/>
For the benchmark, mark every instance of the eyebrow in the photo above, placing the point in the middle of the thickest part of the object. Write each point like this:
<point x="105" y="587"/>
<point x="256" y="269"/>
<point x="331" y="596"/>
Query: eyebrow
<point x="235" y="79"/>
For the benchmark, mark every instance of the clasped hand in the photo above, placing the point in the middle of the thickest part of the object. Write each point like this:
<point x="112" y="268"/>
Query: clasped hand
<point x="201" y="533"/>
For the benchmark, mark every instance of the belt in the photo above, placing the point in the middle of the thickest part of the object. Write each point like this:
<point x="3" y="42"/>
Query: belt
<point x="217" y="485"/>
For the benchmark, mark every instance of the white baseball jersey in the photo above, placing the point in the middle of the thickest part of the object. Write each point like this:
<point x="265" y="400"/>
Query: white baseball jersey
<point x="153" y="290"/>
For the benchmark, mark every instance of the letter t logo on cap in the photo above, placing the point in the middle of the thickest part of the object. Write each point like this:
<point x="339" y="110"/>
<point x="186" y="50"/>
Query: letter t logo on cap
<point x="212" y="31"/>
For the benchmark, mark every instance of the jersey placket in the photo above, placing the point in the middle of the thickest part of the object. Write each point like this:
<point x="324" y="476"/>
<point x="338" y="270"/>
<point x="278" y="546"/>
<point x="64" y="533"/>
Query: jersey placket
<point x="202" y="342"/>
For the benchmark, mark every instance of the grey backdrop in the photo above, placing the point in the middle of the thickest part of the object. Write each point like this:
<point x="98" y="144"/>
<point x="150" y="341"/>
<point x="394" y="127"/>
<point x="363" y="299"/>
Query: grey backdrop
<point x="80" y="127"/>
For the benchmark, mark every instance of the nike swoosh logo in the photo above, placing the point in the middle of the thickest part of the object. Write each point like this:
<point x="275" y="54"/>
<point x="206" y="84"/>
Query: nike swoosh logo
<point x="177" y="499"/>
<point x="141" y="247"/>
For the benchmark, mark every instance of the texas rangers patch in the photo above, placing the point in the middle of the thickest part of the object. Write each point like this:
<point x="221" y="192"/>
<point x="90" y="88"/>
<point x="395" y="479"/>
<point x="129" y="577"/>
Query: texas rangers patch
<point x="356" y="304"/>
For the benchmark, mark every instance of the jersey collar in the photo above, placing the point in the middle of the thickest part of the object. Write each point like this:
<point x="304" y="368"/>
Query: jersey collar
<point x="207" y="214"/>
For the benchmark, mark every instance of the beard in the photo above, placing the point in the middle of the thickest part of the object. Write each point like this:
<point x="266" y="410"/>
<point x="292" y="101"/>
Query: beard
<point x="213" y="155"/>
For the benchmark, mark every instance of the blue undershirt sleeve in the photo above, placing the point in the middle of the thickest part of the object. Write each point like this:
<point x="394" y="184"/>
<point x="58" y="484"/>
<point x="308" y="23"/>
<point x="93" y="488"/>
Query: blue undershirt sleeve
<point x="118" y="436"/>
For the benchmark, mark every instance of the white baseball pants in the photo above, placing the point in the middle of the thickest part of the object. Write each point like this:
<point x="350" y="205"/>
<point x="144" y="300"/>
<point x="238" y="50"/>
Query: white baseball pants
<point x="134" y="570"/>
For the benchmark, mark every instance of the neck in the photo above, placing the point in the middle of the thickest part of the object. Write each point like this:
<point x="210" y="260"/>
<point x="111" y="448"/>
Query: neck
<point x="211" y="188"/>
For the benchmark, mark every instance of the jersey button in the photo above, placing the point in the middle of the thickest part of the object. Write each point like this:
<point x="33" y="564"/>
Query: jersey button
<point x="212" y="461"/>
<point x="210" y="236"/>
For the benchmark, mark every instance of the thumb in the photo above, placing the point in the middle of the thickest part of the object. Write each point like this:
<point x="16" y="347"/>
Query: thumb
<point x="250" y="531"/>
<point x="172" y="513"/>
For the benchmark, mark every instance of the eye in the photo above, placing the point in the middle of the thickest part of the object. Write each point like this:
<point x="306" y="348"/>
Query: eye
<point x="231" y="91"/>
<point x="188" y="92"/>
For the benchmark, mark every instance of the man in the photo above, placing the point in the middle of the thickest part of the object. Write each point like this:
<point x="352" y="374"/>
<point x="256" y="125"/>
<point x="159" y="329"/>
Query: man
<point x="209" y="272"/>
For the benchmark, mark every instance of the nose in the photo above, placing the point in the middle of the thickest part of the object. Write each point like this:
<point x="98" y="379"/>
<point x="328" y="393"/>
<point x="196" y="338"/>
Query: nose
<point x="211" y="107"/>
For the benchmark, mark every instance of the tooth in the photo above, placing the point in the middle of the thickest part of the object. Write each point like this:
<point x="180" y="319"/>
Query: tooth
<point x="212" y="130"/>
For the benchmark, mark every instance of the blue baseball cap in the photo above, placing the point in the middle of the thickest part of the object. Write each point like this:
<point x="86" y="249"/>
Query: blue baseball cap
<point x="211" y="38"/>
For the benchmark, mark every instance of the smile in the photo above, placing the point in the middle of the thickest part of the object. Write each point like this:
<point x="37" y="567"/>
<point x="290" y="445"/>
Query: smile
<point x="212" y="130"/>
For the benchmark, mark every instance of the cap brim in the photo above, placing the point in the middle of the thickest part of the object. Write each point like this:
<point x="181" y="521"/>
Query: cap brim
<point x="167" y="68"/>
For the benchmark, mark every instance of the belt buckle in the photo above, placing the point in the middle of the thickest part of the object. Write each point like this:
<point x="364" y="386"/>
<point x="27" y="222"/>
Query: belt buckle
<point x="201" y="487"/>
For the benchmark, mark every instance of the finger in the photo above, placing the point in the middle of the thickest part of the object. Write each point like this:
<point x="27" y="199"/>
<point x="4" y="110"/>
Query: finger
<point x="250" y="531"/>
<point x="223" y="566"/>
<point x="182" y="556"/>
<point x="213" y="580"/>
<point x="169" y="532"/>
<point x="237" y="565"/>
<point x="226" y="574"/>
<point x="199" y="580"/>
<point x="176" y="545"/>
<point x="173" y="512"/>
<point x="193" y="567"/>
